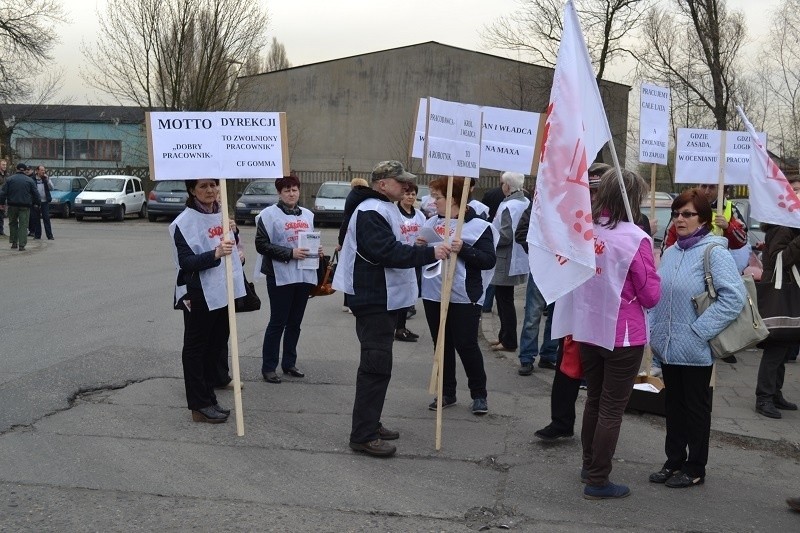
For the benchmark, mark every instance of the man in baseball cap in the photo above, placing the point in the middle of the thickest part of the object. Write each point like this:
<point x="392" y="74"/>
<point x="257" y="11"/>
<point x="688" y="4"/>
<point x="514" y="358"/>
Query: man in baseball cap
<point x="393" y="170"/>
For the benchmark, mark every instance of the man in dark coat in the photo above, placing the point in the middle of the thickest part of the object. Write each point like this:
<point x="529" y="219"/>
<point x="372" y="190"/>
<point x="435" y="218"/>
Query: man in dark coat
<point x="19" y="192"/>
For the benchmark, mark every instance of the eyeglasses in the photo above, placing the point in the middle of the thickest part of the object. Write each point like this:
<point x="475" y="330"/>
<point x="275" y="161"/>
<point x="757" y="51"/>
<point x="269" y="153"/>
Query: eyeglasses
<point x="684" y="214"/>
<point x="436" y="198"/>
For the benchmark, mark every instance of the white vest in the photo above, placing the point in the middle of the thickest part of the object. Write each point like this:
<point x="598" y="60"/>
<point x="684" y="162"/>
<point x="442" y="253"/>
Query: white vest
<point x="519" y="258"/>
<point x="481" y="209"/>
<point x="203" y="233"/>
<point x="409" y="227"/>
<point x="283" y="230"/>
<point x="470" y="233"/>
<point x="401" y="283"/>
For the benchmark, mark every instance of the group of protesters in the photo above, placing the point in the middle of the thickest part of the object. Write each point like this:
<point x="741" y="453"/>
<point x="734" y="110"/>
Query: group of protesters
<point x="25" y="199"/>
<point x="389" y="257"/>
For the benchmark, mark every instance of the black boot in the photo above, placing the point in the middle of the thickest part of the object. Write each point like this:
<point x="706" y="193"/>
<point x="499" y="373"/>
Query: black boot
<point x="767" y="408"/>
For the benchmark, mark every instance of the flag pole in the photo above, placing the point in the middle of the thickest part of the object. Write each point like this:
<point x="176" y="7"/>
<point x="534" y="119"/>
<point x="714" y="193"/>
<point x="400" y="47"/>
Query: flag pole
<point x="234" y="336"/>
<point x="721" y="179"/>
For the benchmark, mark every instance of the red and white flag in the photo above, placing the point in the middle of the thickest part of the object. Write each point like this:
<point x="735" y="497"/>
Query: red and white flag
<point x="561" y="235"/>
<point x="772" y="199"/>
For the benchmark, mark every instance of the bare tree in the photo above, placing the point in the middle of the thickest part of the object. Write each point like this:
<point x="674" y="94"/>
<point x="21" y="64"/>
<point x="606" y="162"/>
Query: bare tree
<point x="693" y="48"/>
<point x="174" y="54"/>
<point x="276" y="57"/>
<point x="27" y="35"/>
<point x="534" y="29"/>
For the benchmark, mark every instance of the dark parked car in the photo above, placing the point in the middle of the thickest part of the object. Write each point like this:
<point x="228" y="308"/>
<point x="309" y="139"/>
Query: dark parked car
<point x="167" y="199"/>
<point x="258" y="195"/>
<point x="65" y="189"/>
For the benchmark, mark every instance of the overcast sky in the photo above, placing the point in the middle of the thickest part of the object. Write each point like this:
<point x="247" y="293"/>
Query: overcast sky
<point x="319" y="30"/>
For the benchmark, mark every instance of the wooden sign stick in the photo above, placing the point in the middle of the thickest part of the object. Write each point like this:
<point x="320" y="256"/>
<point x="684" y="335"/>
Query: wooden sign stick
<point x="234" y="336"/>
<point x="652" y="191"/>
<point x="447" y="288"/>
<point x="432" y="387"/>
<point x="721" y="179"/>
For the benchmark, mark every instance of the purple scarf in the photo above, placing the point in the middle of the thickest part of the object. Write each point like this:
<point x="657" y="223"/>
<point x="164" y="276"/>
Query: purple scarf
<point x="200" y="207"/>
<point x="684" y="243"/>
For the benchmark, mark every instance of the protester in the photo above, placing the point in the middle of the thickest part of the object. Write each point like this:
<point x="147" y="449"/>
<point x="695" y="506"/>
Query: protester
<point x="41" y="214"/>
<point x="771" y="370"/>
<point x="359" y="189"/>
<point x="481" y="209"/>
<point x="201" y="293"/>
<point x="376" y="271"/>
<point x="412" y="221"/>
<point x="288" y="286"/>
<point x="474" y="264"/>
<point x="606" y="316"/>
<point x="19" y="192"/>
<point x="512" y="261"/>
<point x="680" y="338"/>
<point x="491" y="199"/>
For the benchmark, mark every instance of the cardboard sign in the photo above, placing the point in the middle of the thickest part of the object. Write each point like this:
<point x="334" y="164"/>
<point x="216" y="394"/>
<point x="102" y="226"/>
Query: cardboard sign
<point x="453" y="140"/>
<point x="697" y="156"/>
<point x="654" y="124"/>
<point x="223" y="145"/>
<point x="508" y="137"/>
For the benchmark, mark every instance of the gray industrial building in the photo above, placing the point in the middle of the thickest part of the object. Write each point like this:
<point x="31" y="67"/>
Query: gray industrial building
<point x="346" y="114"/>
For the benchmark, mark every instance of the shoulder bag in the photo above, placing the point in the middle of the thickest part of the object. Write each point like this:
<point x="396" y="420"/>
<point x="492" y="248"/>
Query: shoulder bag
<point x="779" y="304"/>
<point x="747" y="330"/>
<point x="250" y="301"/>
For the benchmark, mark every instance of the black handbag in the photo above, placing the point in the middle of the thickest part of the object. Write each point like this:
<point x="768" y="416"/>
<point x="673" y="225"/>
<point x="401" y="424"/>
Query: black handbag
<point x="779" y="305"/>
<point x="250" y="301"/>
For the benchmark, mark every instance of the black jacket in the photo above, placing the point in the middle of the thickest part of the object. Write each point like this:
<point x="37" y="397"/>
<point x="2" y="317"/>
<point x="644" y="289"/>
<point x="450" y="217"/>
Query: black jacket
<point x="20" y="191"/>
<point x="378" y="248"/>
<point x="358" y="194"/>
<point x="190" y="265"/>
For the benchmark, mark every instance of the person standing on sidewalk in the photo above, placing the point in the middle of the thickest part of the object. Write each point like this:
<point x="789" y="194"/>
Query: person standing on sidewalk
<point x="512" y="267"/>
<point x="3" y="175"/>
<point x="474" y="263"/>
<point x="19" y="192"/>
<point x="376" y="270"/>
<point x="606" y="316"/>
<point x="412" y="221"/>
<point x="42" y="214"/>
<point x="680" y="339"/>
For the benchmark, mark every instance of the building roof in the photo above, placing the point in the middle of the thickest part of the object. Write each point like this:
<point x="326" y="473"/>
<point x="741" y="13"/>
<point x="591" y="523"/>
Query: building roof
<point x="418" y="45"/>
<point x="72" y="113"/>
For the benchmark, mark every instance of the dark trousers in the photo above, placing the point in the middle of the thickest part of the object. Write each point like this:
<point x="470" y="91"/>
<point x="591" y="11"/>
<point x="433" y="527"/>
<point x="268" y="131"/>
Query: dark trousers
<point x="688" y="408"/>
<point x="287" y="305"/>
<point x="460" y="335"/>
<point x="375" y="331"/>
<point x="2" y="216"/>
<point x="771" y="371"/>
<point x="402" y="316"/>
<point x="18" y="225"/>
<point x="205" y="336"/>
<point x="504" y="296"/>
<point x="563" y="396"/>
<point x="40" y="215"/>
<point x="609" y="379"/>
<point x="488" y="299"/>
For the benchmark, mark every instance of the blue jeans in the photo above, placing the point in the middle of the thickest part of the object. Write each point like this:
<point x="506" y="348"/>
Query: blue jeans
<point x="287" y="305"/>
<point x="488" y="299"/>
<point x="529" y="337"/>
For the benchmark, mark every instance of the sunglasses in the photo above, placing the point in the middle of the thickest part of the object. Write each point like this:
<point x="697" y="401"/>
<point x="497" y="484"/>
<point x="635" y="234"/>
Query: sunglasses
<point x="684" y="214"/>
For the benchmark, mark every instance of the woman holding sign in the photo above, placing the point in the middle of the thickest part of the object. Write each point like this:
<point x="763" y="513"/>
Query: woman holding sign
<point x="475" y="262"/>
<point x="279" y="229"/>
<point x="201" y="293"/>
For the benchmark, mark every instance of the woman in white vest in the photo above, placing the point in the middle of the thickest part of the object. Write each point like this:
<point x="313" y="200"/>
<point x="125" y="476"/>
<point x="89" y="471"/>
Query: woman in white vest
<point x="512" y="261"/>
<point x="277" y="238"/>
<point x="201" y="293"/>
<point x="411" y="221"/>
<point x="474" y="264"/>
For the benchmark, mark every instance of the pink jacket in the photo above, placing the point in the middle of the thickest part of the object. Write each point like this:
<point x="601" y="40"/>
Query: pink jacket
<point x="642" y="289"/>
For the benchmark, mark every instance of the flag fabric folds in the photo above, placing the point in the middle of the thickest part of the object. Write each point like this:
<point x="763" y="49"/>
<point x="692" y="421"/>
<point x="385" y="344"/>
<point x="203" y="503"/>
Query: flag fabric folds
<point x="772" y="199"/>
<point x="561" y="235"/>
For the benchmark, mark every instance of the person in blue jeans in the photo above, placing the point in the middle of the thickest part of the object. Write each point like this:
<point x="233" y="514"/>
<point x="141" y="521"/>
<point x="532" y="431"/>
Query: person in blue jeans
<point x="535" y="307"/>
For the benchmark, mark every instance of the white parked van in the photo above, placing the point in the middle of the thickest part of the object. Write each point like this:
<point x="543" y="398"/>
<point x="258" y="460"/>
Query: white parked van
<point x="111" y="197"/>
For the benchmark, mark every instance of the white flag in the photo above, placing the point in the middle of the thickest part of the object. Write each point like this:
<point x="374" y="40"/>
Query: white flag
<point x="772" y="199"/>
<point x="561" y="234"/>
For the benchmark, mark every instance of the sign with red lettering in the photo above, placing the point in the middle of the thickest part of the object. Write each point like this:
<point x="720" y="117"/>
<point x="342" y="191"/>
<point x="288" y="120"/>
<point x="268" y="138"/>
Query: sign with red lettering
<point x="221" y="145"/>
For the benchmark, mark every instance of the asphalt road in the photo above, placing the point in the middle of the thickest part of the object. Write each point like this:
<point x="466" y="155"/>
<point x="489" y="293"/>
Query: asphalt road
<point x="95" y="434"/>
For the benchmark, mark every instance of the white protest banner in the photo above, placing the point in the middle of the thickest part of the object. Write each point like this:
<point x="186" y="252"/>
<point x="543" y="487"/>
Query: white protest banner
<point x="697" y="156"/>
<point x="195" y="145"/>
<point x="452" y="143"/>
<point x="508" y="141"/>
<point x="654" y="124"/>
<point x="418" y="139"/>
